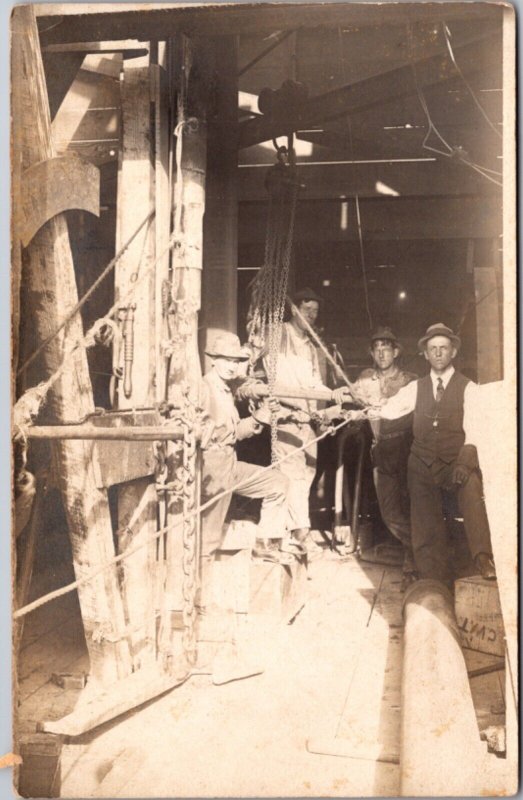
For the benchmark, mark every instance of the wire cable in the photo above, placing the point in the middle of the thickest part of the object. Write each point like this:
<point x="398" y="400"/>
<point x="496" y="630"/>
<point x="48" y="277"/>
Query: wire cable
<point x="447" y="34"/>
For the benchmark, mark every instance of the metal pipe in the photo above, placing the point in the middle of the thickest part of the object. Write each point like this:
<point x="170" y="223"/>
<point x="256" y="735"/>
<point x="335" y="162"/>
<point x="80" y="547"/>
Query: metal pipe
<point x="142" y="433"/>
<point x="441" y="752"/>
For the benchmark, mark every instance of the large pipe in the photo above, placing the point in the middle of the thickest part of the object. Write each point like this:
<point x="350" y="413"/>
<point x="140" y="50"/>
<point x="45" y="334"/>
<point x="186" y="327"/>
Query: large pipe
<point x="441" y="752"/>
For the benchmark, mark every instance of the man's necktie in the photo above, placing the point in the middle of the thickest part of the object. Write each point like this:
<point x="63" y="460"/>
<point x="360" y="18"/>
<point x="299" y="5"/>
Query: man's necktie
<point x="439" y="390"/>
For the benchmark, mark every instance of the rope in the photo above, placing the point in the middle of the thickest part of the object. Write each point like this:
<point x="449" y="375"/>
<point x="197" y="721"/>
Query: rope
<point x="47" y="598"/>
<point x="110" y="266"/>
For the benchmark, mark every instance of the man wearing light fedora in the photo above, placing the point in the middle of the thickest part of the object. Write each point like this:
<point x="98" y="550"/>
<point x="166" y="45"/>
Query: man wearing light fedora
<point x="221" y="469"/>
<point x="391" y="439"/>
<point x="443" y="457"/>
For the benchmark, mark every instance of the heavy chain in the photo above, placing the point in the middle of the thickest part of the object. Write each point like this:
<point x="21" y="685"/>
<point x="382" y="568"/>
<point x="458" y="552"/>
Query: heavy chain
<point x="190" y="541"/>
<point x="270" y="289"/>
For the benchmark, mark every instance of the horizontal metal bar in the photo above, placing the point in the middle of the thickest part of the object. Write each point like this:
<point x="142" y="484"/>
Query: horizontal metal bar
<point x="142" y="433"/>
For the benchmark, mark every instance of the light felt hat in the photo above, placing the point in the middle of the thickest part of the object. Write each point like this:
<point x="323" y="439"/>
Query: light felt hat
<point x="227" y="345"/>
<point x="439" y="329"/>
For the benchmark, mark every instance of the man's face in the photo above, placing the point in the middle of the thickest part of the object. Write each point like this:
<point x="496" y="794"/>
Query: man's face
<point x="384" y="353"/>
<point x="309" y="310"/>
<point x="226" y="368"/>
<point x="439" y="352"/>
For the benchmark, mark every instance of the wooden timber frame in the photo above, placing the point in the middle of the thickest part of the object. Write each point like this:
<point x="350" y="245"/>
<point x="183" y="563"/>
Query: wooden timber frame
<point x="134" y="616"/>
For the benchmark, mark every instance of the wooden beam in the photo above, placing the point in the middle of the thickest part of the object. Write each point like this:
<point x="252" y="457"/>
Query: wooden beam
<point x="488" y="327"/>
<point x="220" y="230"/>
<point x="365" y="94"/>
<point x="387" y="218"/>
<point x="50" y="291"/>
<point x="328" y="181"/>
<point x="137" y="499"/>
<point x="83" y="22"/>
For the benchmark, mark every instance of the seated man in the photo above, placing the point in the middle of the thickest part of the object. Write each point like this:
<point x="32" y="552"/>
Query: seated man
<point x="221" y="469"/>
<point x="443" y="456"/>
<point x="391" y="439"/>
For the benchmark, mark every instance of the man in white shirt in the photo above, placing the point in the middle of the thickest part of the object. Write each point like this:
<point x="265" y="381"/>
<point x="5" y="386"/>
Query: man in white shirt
<point x="443" y="457"/>
<point x="298" y="366"/>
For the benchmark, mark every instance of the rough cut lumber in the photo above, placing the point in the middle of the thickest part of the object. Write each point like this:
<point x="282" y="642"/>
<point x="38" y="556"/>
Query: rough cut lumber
<point x="135" y="200"/>
<point x="50" y="293"/>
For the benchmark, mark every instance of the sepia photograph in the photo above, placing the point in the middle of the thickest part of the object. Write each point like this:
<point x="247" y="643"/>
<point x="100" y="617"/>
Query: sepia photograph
<point x="264" y="527"/>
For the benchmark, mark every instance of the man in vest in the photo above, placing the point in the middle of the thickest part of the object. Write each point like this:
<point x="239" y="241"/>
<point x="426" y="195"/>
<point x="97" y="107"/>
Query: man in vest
<point x="443" y="457"/>
<point x="391" y="439"/>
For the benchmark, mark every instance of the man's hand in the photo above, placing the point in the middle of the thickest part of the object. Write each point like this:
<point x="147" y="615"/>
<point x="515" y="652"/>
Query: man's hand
<point x="341" y="395"/>
<point x="461" y="474"/>
<point x="373" y="412"/>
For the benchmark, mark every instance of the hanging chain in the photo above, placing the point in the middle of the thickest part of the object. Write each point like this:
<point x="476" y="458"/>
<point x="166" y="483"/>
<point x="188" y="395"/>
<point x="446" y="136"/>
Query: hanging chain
<point x="270" y="288"/>
<point x="190" y="550"/>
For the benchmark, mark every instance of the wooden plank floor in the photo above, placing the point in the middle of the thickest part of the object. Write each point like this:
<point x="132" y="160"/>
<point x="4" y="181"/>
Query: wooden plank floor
<point x="331" y="677"/>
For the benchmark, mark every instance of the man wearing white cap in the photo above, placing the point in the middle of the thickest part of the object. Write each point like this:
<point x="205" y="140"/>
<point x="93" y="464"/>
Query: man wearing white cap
<point x="221" y="469"/>
<point x="443" y="457"/>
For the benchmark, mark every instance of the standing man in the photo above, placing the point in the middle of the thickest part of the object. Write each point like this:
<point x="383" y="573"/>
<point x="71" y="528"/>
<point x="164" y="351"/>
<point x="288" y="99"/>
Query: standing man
<point x="298" y="366"/>
<point x="221" y="469"/>
<point x="391" y="439"/>
<point x="443" y="457"/>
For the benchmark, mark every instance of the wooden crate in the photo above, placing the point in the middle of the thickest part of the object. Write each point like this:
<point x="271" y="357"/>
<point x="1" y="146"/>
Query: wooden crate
<point x="277" y="590"/>
<point x="478" y="612"/>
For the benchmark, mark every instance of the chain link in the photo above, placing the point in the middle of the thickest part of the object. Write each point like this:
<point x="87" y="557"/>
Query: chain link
<point x="270" y="288"/>
<point x="190" y="550"/>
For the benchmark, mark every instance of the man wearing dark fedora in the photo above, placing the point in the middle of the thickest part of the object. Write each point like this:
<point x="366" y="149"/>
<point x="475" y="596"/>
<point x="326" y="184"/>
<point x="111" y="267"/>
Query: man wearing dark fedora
<point x="391" y="439"/>
<point x="443" y="457"/>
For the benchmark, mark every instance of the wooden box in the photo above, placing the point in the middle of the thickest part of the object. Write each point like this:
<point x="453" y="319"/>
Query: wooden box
<point x="277" y="590"/>
<point x="478" y="612"/>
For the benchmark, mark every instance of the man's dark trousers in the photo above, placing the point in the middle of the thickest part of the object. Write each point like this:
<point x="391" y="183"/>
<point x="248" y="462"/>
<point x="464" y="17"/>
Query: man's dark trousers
<point x="429" y="531"/>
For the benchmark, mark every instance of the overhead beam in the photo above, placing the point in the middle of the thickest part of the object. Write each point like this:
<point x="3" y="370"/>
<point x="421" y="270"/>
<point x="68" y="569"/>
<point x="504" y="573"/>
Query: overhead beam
<point x="89" y="22"/>
<point x="327" y="181"/>
<point x="365" y="94"/>
<point x="387" y="218"/>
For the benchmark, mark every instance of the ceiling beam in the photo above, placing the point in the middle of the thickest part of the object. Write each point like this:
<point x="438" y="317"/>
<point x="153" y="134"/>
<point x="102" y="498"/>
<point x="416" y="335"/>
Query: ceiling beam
<point x="328" y="181"/>
<point x="384" y="218"/>
<point x="99" y="22"/>
<point x="366" y="94"/>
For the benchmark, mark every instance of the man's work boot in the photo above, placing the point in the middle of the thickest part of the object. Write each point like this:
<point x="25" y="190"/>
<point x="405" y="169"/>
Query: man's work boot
<point x="484" y="564"/>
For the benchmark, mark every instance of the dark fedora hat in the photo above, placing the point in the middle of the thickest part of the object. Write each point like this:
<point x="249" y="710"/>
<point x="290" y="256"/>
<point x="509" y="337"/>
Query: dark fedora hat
<point x="439" y="329"/>
<point x="305" y="296"/>
<point x="385" y="333"/>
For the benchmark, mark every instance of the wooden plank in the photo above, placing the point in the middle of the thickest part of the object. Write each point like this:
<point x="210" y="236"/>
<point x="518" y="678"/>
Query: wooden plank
<point x="326" y="181"/>
<point x="90" y="25"/>
<point x="383" y="218"/>
<point x="137" y="500"/>
<point x="130" y="692"/>
<point x="50" y="293"/>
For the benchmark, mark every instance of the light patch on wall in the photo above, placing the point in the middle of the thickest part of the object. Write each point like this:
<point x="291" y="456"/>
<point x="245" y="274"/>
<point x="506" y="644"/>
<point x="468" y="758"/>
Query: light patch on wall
<point x="344" y="213"/>
<point x="248" y="102"/>
<point x="325" y="283"/>
<point x="402" y="295"/>
<point x="382" y="188"/>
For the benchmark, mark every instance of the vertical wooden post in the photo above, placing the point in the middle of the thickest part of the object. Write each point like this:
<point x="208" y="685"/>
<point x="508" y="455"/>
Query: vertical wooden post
<point x="220" y="232"/>
<point x="142" y="188"/>
<point x="189" y="175"/>
<point x="487" y="324"/>
<point x="50" y="291"/>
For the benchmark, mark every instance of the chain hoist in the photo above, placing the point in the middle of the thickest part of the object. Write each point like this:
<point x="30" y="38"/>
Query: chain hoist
<point x="270" y="287"/>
